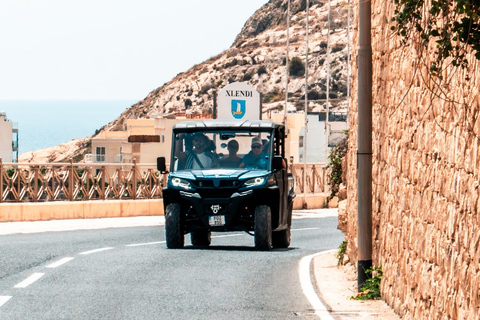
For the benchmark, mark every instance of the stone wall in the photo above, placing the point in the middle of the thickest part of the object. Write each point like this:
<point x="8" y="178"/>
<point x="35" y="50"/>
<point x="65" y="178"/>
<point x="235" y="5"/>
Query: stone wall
<point x="426" y="177"/>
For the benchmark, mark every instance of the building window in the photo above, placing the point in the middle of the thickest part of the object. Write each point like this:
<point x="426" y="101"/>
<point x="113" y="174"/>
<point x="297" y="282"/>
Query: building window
<point x="100" y="154"/>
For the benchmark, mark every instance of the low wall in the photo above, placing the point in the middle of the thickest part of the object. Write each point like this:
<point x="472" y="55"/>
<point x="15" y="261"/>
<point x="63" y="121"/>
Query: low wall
<point x="59" y="210"/>
<point x="41" y="211"/>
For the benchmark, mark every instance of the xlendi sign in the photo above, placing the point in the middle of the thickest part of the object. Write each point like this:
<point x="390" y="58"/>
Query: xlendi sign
<point x="239" y="101"/>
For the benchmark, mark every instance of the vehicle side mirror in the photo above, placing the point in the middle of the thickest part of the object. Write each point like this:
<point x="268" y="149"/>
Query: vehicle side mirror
<point x="161" y="166"/>
<point x="277" y="163"/>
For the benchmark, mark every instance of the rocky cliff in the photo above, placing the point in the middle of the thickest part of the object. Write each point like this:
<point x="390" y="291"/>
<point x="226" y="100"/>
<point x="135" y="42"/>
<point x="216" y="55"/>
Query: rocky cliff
<point x="257" y="56"/>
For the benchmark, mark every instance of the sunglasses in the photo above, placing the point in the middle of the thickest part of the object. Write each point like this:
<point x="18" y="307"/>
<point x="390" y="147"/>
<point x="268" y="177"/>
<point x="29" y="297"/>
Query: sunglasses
<point x="256" y="147"/>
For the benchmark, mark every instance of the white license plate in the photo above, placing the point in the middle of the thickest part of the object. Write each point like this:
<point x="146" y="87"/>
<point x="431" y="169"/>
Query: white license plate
<point x="216" y="221"/>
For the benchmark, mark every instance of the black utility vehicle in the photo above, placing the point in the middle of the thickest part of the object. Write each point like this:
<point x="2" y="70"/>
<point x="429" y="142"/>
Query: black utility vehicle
<point x="228" y="175"/>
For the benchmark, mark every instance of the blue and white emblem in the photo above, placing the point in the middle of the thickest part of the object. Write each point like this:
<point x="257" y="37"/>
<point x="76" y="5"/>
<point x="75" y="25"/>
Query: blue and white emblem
<point x="238" y="108"/>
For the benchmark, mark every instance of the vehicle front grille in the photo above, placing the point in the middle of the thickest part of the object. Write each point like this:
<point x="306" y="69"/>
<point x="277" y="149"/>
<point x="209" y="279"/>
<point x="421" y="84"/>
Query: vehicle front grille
<point x="216" y="193"/>
<point x="211" y="184"/>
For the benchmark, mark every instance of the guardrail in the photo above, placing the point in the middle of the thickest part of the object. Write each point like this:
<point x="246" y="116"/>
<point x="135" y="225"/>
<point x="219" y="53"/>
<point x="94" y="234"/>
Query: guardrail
<point x="40" y="182"/>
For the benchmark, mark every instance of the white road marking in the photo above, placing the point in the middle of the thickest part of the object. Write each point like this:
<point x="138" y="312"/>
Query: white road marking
<point x="4" y="299"/>
<point x="59" y="262"/>
<point x="229" y="235"/>
<point x="145" y="244"/>
<point x="308" y="289"/>
<point x="25" y="283"/>
<point x="305" y="229"/>
<point x="96" y="250"/>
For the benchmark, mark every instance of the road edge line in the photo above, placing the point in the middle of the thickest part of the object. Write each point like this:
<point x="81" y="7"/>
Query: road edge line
<point x="308" y="289"/>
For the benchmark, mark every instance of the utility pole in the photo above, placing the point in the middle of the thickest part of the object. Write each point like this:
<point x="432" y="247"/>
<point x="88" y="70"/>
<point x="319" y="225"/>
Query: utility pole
<point x="306" y="113"/>
<point x="287" y="71"/>
<point x="364" y="143"/>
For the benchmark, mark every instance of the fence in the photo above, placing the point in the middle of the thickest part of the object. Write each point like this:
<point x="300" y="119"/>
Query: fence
<point x="316" y="179"/>
<point x="27" y="182"/>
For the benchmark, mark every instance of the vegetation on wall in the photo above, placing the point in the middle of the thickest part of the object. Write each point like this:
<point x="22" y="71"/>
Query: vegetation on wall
<point x="454" y="25"/>
<point x="335" y="165"/>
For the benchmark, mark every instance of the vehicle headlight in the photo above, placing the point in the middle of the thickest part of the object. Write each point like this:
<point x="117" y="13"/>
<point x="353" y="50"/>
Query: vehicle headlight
<point x="181" y="183"/>
<point x="258" y="181"/>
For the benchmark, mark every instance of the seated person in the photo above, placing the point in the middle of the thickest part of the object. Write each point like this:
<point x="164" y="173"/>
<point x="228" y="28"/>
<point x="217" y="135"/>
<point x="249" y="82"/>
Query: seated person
<point x="201" y="156"/>
<point x="232" y="160"/>
<point x="256" y="158"/>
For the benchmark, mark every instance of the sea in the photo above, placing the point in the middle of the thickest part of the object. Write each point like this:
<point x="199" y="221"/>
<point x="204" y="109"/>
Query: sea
<point x="47" y="123"/>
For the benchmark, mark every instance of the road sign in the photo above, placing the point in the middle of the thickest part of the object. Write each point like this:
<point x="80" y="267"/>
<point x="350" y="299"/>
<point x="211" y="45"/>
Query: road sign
<point x="238" y="100"/>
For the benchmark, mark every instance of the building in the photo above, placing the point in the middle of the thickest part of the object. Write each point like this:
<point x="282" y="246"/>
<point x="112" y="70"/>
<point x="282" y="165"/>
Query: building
<point x="8" y="139"/>
<point x="143" y="141"/>
<point x="319" y="128"/>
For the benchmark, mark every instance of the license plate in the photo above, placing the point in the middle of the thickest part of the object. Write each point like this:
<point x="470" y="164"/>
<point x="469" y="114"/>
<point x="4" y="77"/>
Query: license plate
<point x="216" y="221"/>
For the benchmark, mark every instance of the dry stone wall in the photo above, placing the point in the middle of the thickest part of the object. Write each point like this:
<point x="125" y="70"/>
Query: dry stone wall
<point x="426" y="177"/>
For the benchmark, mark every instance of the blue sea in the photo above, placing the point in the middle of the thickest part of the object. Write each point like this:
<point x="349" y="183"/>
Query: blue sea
<point x="47" y="123"/>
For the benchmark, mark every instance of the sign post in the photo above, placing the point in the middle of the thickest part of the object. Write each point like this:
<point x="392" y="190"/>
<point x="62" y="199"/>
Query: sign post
<point x="239" y="101"/>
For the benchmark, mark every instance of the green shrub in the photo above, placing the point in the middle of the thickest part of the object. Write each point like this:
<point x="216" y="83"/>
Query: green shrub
<point x="296" y="67"/>
<point x="261" y="70"/>
<point x="371" y="288"/>
<point x="341" y="252"/>
<point x="335" y="164"/>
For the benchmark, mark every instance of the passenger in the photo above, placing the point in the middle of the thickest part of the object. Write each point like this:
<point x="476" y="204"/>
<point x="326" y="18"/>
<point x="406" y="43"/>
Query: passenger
<point x="232" y="160"/>
<point x="201" y="156"/>
<point x="256" y="158"/>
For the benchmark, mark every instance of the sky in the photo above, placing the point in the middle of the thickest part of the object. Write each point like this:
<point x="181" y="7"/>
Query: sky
<point x="109" y="49"/>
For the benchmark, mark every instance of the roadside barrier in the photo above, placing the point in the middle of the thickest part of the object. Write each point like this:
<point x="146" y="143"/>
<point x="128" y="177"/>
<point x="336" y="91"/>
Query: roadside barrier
<point x="41" y="182"/>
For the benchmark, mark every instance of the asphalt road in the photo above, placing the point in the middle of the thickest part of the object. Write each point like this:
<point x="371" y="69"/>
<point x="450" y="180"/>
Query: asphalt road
<point x="127" y="273"/>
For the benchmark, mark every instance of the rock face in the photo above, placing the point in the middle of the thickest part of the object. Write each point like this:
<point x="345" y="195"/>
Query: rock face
<point x="426" y="174"/>
<point x="257" y="57"/>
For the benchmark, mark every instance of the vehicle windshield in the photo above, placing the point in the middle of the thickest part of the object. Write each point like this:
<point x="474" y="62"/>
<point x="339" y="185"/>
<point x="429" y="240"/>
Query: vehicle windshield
<point x="226" y="149"/>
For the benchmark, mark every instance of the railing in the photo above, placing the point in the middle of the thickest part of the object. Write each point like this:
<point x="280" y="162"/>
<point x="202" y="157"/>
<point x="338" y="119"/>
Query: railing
<point x="316" y="179"/>
<point x="26" y="182"/>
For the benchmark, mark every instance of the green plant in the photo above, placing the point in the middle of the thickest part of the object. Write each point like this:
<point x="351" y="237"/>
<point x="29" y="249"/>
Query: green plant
<point x="453" y="25"/>
<point x="296" y="67"/>
<point x="371" y="288"/>
<point x="341" y="252"/>
<point x="261" y="70"/>
<point x="335" y="164"/>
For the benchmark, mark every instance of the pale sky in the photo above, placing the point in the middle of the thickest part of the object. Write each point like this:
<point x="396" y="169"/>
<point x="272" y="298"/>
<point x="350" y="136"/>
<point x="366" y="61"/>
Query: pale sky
<point x="109" y="49"/>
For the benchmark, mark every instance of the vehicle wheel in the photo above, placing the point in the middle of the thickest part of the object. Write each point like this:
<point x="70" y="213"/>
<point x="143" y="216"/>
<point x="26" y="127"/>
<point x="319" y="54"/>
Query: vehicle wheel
<point x="263" y="228"/>
<point x="281" y="239"/>
<point x="173" y="226"/>
<point x="201" y="238"/>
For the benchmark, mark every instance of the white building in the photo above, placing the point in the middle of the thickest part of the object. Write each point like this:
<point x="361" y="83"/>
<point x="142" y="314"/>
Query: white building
<point x="8" y="139"/>
<point x="318" y="128"/>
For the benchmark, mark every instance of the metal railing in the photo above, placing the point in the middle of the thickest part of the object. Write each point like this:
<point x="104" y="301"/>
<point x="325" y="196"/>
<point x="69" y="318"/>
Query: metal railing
<point x="39" y="182"/>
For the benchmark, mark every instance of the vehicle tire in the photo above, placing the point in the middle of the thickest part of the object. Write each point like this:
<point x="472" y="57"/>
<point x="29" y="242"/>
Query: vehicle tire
<point x="263" y="228"/>
<point x="201" y="238"/>
<point x="281" y="239"/>
<point x="174" y="227"/>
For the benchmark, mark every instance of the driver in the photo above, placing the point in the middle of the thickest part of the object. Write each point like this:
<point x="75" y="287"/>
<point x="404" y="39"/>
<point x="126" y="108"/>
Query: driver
<point x="201" y="157"/>
<point x="256" y="158"/>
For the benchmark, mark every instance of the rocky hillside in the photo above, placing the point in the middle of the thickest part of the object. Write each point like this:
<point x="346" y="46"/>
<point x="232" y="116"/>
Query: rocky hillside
<point x="257" y="56"/>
